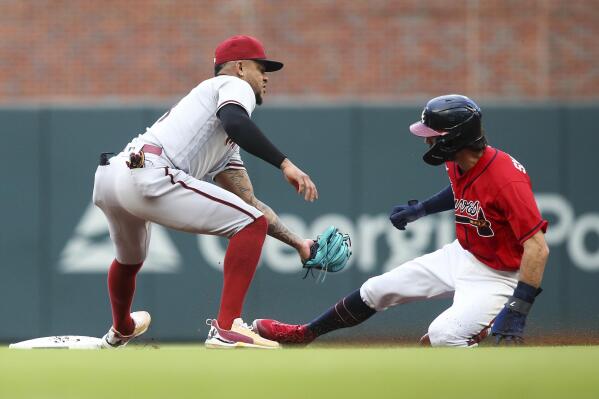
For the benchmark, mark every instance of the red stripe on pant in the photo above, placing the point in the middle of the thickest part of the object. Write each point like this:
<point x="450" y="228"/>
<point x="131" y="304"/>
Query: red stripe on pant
<point x="195" y="190"/>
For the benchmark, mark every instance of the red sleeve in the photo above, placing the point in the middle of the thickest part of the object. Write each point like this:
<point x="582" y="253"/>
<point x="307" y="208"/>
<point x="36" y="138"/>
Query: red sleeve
<point x="518" y="203"/>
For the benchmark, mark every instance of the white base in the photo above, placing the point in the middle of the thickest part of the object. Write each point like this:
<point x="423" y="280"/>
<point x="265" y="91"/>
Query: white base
<point x="60" y="342"/>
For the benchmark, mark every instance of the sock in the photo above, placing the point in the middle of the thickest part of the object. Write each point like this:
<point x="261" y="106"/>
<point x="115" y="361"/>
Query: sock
<point x="348" y="312"/>
<point x="121" y="287"/>
<point x="241" y="260"/>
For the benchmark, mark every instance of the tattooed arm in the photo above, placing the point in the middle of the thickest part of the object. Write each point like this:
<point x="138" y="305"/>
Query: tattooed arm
<point x="238" y="182"/>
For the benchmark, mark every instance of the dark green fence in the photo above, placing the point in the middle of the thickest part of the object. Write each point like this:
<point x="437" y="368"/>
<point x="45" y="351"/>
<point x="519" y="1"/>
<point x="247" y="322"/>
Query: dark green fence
<point x="55" y="247"/>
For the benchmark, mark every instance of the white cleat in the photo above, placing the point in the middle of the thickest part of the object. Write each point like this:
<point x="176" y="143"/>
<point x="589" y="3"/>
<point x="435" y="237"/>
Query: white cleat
<point x="239" y="336"/>
<point x="114" y="339"/>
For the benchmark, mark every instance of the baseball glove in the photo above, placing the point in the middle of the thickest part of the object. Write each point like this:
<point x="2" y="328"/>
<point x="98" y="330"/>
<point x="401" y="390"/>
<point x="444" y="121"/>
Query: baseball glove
<point x="330" y="252"/>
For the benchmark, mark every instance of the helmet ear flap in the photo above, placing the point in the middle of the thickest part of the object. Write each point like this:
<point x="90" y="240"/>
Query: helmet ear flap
<point x="435" y="156"/>
<point x="432" y="159"/>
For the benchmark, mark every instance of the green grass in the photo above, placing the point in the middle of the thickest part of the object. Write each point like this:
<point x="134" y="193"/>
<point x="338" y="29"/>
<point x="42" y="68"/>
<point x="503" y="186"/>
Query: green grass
<point x="314" y="372"/>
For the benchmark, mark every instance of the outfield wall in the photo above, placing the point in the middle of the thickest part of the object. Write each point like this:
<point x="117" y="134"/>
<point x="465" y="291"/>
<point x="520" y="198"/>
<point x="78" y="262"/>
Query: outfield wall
<point x="55" y="247"/>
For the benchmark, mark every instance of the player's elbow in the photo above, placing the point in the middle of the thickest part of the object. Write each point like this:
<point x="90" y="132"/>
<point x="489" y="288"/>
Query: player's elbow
<point x="544" y="251"/>
<point x="250" y="199"/>
<point x="541" y="249"/>
<point x="541" y="254"/>
<point x="537" y="247"/>
<point x="233" y="128"/>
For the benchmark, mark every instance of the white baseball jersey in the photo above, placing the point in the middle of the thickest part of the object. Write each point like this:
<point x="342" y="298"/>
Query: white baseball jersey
<point x="169" y="189"/>
<point x="191" y="135"/>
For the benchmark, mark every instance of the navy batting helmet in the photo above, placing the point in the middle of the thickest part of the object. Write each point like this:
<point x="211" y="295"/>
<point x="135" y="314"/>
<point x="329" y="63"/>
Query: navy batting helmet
<point x="455" y="121"/>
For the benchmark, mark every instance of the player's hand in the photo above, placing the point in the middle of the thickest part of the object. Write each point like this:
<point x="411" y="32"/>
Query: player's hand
<point x="508" y="328"/>
<point x="304" y="249"/>
<point x="509" y="323"/>
<point x="401" y="215"/>
<point x="300" y="180"/>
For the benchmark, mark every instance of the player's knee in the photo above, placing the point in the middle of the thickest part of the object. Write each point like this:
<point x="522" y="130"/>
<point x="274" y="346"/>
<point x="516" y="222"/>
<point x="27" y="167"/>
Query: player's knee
<point x="261" y="224"/>
<point x="377" y="294"/>
<point x="131" y="257"/>
<point x="255" y="221"/>
<point x="258" y="226"/>
<point x="443" y="334"/>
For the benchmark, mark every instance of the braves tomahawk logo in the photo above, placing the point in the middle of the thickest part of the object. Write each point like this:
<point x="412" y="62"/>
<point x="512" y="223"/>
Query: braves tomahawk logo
<point x="471" y="213"/>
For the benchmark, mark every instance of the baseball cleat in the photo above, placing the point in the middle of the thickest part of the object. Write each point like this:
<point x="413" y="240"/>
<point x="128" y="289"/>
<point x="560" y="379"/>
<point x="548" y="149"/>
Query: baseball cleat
<point x="114" y="339"/>
<point x="283" y="333"/>
<point x="239" y="336"/>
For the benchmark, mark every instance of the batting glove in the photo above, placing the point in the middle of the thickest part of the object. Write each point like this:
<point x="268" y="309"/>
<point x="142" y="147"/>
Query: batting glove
<point x="401" y="215"/>
<point x="509" y="324"/>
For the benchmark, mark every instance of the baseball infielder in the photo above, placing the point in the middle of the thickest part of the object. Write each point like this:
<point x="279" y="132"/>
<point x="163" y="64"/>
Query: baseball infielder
<point x="166" y="176"/>
<point x="493" y="269"/>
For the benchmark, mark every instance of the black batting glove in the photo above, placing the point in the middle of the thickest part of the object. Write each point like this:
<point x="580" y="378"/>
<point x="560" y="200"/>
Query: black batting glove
<point x="401" y="215"/>
<point x="509" y="324"/>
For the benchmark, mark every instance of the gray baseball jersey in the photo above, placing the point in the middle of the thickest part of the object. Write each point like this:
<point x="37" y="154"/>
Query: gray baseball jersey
<point x="184" y="146"/>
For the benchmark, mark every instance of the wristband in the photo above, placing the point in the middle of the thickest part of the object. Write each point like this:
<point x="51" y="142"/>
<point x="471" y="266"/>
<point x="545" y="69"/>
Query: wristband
<point x="526" y="292"/>
<point x="518" y="305"/>
<point x="523" y="298"/>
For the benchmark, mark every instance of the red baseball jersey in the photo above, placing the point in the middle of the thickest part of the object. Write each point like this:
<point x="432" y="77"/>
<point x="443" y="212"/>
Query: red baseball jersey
<point x="495" y="209"/>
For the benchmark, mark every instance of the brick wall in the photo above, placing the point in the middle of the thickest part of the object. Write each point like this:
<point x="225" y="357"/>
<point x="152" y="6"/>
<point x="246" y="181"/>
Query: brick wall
<point x="334" y="50"/>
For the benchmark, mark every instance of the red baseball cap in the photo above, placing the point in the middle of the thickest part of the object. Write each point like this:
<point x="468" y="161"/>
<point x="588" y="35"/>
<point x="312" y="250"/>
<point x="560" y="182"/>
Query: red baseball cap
<point x="244" y="48"/>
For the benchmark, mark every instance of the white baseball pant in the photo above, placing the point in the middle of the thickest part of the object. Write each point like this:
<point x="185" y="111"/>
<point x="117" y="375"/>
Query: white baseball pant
<point x="479" y="292"/>
<point x="132" y="199"/>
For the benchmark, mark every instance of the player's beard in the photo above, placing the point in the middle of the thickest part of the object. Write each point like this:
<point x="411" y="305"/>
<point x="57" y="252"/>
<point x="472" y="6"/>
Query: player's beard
<point x="259" y="98"/>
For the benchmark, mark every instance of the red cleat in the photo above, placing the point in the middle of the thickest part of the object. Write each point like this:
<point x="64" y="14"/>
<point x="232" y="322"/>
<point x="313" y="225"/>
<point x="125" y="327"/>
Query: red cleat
<point x="283" y="333"/>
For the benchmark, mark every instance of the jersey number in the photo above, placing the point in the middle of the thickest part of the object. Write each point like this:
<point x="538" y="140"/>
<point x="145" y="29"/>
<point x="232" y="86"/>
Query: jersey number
<point x="518" y="165"/>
